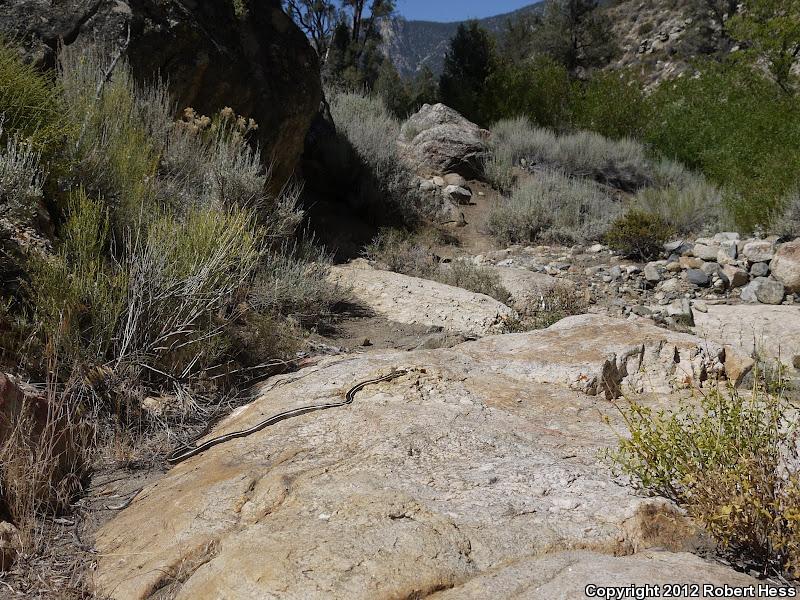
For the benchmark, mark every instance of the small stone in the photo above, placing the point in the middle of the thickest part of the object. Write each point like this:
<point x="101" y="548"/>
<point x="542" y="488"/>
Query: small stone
<point x="705" y="252"/>
<point x="671" y="285"/>
<point x="724" y="236"/>
<point x="673" y="267"/>
<point x="727" y="252"/>
<point x="641" y="311"/>
<point x="736" y="277"/>
<point x="652" y="273"/>
<point x="697" y="277"/>
<point x="689" y="262"/>
<point x="759" y="269"/>
<point x="671" y="247"/>
<point x="700" y="306"/>
<point x="759" y="251"/>
<point x="9" y="545"/>
<point x="458" y="194"/>
<point x="786" y="266"/>
<point x="426" y="185"/>
<point x="710" y="268"/>
<point x="615" y="272"/>
<point x="438" y="181"/>
<point x="456" y="180"/>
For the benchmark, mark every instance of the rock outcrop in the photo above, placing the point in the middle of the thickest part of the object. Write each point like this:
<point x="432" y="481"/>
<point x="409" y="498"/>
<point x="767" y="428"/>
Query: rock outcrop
<point x="437" y="140"/>
<point x="414" y="301"/>
<point x="462" y="473"/>
<point x="771" y="332"/>
<point x="246" y="54"/>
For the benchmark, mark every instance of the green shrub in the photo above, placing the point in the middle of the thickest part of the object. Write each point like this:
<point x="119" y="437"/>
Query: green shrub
<point x="736" y="127"/>
<point x="638" y="234"/>
<point x="611" y="104"/>
<point x="383" y="188"/>
<point x="553" y="207"/>
<point x="21" y="180"/>
<point x="692" y="208"/>
<point x="732" y="461"/>
<point x="30" y="104"/>
<point x="538" y="89"/>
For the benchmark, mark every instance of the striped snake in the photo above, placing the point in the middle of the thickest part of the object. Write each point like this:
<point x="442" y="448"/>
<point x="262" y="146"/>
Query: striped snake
<point x="185" y="452"/>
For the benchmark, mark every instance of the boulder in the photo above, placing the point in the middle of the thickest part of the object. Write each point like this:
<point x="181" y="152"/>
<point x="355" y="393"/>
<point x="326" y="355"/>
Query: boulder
<point x="697" y="277"/>
<point x="652" y="272"/>
<point x="458" y="195"/>
<point x="706" y="252"/>
<point x="736" y="277"/>
<point x="763" y="290"/>
<point x="570" y="575"/>
<point x="247" y="55"/>
<point x="415" y="301"/>
<point x="456" y="180"/>
<point x="530" y="291"/>
<point x="759" y="269"/>
<point x="758" y="250"/>
<point x="438" y="140"/>
<point x="479" y="462"/>
<point x="770" y="331"/>
<point x="786" y="265"/>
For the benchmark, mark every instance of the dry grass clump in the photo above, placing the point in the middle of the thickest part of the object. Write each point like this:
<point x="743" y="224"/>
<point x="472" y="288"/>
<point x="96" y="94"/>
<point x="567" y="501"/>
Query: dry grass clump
<point x="732" y="459"/>
<point x="694" y="206"/>
<point x="413" y="254"/>
<point x="620" y="163"/>
<point x="382" y="186"/>
<point x="553" y="207"/>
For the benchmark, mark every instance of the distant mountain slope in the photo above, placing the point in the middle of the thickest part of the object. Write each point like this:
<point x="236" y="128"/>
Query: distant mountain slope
<point x="413" y="44"/>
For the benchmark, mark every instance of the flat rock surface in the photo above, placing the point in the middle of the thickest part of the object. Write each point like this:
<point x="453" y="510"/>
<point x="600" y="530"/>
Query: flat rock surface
<point x="528" y="289"/>
<point x="773" y="331"/>
<point x="414" y="301"/>
<point x="476" y="472"/>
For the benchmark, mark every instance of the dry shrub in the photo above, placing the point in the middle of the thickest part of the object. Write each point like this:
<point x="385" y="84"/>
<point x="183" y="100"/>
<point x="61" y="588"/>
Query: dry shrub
<point x="692" y="207"/>
<point x="620" y="163"/>
<point x="44" y="453"/>
<point x="732" y="459"/>
<point x="412" y="254"/>
<point x="553" y="207"/>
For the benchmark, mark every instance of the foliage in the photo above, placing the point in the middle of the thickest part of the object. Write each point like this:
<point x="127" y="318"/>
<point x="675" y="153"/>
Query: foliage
<point x="575" y="33"/>
<point x="638" y="234"/>
<point x="737" y="128"/>
<point x="611" y="104"/>
<point x="772" y="29"/>
<point x="552" y="207"/>
<point x="690" y="208"/>
<point x="786" y="220"/>
<point x="731" y="458"/>
<point x="31" y="108"/>
<point x="538" y="88"/>
<point x="383" y="188"/>
<point x="21" y="180"/>
<point x="467" y="65"/>
<point x="317" y="19"/>
<point x="621" y="163"/>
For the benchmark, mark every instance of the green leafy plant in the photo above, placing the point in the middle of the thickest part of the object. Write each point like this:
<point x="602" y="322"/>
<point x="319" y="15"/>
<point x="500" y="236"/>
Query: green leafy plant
<point x="731" y="459"/>
<point x="638" y="234"/>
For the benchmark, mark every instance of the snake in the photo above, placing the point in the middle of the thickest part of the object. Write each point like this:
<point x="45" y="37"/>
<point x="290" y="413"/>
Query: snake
<point x="185" y="452"/>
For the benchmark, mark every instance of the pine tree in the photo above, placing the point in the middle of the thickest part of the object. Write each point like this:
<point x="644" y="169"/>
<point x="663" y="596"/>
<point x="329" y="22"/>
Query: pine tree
<point x="467" y="65"/>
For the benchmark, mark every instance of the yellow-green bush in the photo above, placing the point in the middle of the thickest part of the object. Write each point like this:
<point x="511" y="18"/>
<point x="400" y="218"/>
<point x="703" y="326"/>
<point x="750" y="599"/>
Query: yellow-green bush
<point x="638" y="234"/>
<point x="31" y="106"/>
<point x="732" y="460"/>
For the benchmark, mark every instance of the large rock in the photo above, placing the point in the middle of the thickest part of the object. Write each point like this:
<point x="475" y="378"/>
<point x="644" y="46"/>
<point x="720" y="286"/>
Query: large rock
<point x="459" y="474"/>
<point x="531" y="291"/>
<point x="786" y="265"/>
<point x="438" y="140"/>
<point x="415" y="301"/>
<point x="246" y="54"/>
<point x="769" y="331"/>
<point x="569" y="575"/>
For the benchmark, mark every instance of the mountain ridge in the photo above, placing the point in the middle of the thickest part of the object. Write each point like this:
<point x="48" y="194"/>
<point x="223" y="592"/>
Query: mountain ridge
<point x="412" y="45"/>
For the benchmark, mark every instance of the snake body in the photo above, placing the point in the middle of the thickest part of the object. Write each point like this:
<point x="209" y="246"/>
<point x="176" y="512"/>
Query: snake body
<point x="184" y="453"/>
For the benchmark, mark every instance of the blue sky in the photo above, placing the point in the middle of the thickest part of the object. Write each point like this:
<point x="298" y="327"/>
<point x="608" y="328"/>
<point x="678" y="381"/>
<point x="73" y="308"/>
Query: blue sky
<point x="456" y="10"/>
